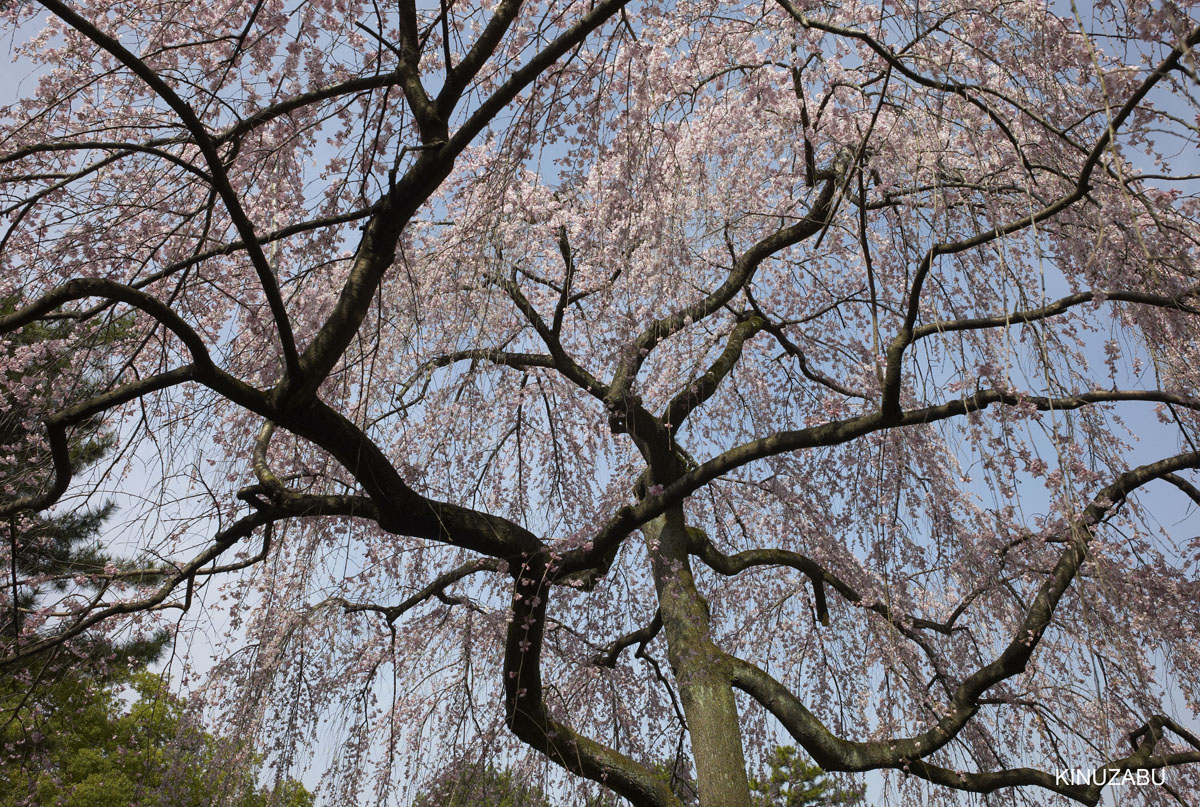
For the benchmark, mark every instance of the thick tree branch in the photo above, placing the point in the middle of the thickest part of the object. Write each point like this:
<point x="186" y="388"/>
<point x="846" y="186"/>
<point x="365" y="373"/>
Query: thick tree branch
<point x="79" y="288"/>
<point x="400" y="509"/>
<point x="702" y="388"/>
<point x="630" y="517"/>
<point x="703" y="548"/>
<point x="530" y="720"/>
<point x="529" y="72"/>
<point x="460" y="75"/>
<point x="391" y="214"/>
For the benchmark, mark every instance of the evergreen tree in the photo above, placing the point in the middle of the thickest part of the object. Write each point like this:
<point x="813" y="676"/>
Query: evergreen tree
<point x="790" y="782"/>
<point x="481" y="785"/>
<point x="91" y="748"/>
<point x="60" y="553"/>
<point x="794" y="782"/>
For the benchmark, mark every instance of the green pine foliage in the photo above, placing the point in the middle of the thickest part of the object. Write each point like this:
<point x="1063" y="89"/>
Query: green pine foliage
<point x="84" y="724"/>
<point x="47" y="556"/>
<point x="794" y="782"/>
<point x="83" y="743"/>
<point x="481" y="785"/>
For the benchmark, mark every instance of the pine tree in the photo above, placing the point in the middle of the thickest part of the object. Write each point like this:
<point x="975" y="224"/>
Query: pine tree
<point x="48" y="557"/>
<point x="59" y="553"/>
<point x="794" y="782"/>
<point x="96" y="748"/>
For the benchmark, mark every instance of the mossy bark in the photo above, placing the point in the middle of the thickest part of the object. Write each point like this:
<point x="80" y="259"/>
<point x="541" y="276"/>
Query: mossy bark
<point x="704" y="681"/>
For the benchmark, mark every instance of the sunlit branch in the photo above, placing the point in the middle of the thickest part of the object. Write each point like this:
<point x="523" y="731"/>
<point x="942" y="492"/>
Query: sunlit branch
<point x="272" y="494"/>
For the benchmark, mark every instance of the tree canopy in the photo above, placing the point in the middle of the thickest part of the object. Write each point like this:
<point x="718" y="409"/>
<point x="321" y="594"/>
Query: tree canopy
<point x="601" y="381"/>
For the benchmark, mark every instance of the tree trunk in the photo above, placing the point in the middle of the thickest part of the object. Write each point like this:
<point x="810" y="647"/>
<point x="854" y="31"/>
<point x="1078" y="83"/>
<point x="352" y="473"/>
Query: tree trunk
<point x="704" y="682"/>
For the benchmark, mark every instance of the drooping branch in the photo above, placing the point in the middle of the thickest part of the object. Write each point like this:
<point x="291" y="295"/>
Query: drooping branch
<point x="201" y="369"/>
<point x="630" y="517"/>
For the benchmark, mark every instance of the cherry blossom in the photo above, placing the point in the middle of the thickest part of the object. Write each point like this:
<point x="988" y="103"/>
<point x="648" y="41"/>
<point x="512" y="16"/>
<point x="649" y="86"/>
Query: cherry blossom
<point x="589" y="384"/>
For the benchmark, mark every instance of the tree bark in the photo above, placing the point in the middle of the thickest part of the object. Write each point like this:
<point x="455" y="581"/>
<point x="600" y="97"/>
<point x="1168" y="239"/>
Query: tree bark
<point x="705" y="686"/>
